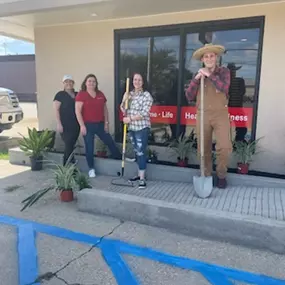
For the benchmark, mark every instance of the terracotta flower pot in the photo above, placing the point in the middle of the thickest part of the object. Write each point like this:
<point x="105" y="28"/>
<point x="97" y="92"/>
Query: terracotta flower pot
<point x="182" y="162"/>
<point x="66" y="195"/>
<point x="242" y="168"/>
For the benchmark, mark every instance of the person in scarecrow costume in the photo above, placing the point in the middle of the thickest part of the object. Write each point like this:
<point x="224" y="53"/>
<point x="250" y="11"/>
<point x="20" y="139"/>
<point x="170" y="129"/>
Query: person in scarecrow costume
<point x="216" y="117"/>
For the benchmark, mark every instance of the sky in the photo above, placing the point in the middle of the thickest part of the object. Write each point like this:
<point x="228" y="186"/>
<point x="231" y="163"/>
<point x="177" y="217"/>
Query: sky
<point x="12" y="46"/>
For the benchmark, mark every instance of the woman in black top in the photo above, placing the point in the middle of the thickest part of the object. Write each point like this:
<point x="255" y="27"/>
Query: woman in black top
<point x="67" y="124"/>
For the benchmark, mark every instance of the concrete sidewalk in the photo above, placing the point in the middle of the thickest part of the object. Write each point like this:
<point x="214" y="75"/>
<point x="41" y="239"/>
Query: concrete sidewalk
<point x="247" y="201"/>
<point x="250" y="216"/>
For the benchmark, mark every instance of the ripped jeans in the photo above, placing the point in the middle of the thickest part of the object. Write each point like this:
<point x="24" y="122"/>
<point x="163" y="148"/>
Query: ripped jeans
<point x="139" y="140"/>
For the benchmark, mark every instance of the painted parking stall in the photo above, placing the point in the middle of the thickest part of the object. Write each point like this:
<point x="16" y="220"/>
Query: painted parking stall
<point x="112" y="251"/>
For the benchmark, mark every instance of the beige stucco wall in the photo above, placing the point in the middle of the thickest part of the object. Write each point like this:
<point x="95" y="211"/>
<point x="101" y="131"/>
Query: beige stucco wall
<point x="83" y="48"/>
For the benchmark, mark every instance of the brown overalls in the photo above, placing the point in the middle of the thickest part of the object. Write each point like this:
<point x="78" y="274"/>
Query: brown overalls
<point x="216" y="118"/>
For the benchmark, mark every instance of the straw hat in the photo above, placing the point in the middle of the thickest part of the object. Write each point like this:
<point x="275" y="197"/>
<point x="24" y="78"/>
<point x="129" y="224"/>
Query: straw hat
<point x="217" y="49"/>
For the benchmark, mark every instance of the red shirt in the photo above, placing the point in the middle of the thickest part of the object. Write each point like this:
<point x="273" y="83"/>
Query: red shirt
<point x="93" y="108"/>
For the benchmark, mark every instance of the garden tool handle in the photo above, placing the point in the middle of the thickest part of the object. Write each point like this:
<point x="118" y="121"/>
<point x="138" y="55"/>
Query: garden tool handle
<point x="125" y="125"/>
<point x="202" y="143"/>
<point x="127" y="91"/>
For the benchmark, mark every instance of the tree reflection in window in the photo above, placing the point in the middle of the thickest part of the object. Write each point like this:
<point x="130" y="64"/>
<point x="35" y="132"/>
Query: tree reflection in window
<point x="157" y="59"/>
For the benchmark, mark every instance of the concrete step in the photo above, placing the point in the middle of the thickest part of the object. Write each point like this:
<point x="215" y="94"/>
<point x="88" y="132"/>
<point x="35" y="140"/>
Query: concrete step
<point x="248" y="216"/>
<point x="155" y="172"/>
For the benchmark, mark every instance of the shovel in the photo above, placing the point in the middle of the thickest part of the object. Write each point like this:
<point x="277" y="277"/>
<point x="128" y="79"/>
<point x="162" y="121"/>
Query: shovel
<point x="203" y="185"/>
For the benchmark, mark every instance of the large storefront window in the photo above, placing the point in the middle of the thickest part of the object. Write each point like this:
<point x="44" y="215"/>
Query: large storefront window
<point x="164" y="57"/>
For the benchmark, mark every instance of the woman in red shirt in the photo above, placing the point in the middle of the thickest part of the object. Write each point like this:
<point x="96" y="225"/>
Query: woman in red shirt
<point x="92" y="115"/>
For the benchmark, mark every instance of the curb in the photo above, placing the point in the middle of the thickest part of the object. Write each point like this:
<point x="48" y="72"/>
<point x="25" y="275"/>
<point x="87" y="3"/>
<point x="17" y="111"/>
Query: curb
<point x="253" y="232"/>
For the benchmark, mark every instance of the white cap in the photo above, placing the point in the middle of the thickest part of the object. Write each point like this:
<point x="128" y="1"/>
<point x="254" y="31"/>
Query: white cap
<point x="67" y="77"/>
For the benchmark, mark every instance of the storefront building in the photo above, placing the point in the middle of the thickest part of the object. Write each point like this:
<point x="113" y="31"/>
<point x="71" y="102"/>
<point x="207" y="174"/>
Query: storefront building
<point x="161" y="46"/>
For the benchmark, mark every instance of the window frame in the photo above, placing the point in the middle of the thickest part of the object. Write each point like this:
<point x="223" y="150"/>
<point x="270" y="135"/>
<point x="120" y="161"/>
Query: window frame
<point x="182" y="30"/>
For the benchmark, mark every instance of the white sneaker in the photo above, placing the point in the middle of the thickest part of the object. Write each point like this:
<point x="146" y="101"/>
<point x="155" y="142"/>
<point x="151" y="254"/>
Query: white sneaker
<point x="130" y="159"/>
<point x="92" y="173"/>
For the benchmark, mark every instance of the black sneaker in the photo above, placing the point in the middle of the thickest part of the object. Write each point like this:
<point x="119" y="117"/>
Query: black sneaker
<point x="142" y="184"/>
<point x="134" y="179"/>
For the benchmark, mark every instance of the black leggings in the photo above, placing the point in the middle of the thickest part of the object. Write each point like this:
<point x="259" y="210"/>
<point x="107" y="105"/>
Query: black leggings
<point x="69" y="137"/>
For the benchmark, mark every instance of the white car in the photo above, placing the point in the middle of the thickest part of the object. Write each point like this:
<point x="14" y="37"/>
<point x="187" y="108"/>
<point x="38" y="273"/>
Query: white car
<point x="10" y="110"/>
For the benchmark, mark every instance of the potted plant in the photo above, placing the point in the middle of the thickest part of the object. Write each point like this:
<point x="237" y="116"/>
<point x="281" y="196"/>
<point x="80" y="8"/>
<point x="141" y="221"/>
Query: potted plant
<point x="101" y="148"/>
<point x="182" y="146"/>
<point x="53" y="134"/>
<point x="67" y="179"/>
<point x="152" y="156"/>
<point x="82" y="181"/>
<point x="34" y="145"/>
<point x="244" y="151"/>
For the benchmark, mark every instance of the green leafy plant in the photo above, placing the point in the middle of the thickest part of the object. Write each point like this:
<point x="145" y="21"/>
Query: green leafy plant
<point x="50" y="146"/>
<point x="4" y="155"/>
<point x="82" y="181"/>
<point x="245" y="150"/>
<point x="67" y="178"/>
<point x="35" y="144"/>
<point x="31" y="200"/>
<point x="183" y="146"/>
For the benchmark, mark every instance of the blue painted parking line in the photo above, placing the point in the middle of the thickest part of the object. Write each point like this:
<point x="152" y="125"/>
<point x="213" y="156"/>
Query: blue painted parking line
<point x="27" y="254"/>
<point x="111" y="251"/>
<point x="120" y="268"/>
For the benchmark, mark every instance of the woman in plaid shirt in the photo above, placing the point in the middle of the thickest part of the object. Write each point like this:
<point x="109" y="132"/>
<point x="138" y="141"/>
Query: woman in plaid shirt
<point x="137" y="116"/>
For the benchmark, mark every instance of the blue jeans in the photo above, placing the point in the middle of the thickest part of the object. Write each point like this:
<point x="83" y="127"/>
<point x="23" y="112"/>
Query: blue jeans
<point x="98" y="129"/>
<point x="139" y="140"/>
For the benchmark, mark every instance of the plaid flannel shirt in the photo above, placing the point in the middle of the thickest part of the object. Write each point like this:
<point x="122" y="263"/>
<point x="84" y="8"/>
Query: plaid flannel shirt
<point x="220" y="77"/>
<point x="140" y="104"/>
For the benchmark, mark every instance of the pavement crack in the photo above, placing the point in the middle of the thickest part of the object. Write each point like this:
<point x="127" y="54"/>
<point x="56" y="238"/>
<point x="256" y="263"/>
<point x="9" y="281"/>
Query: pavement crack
<point x="65" y="282"/>
<point x="50" y="275"/>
